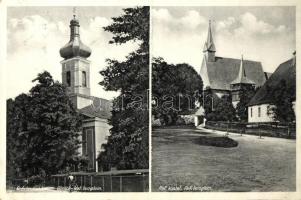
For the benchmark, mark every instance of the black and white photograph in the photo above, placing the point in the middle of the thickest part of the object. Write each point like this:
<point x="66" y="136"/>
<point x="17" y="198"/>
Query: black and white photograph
<point x="224" y="95"/>
<point x="150" y="99"/>
<point x="76" y="108"/>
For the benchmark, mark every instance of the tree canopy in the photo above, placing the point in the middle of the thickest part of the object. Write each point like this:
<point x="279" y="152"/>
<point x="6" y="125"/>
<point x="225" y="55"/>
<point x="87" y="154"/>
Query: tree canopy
<point x="245" y="95"/>
<point x="282" y="97"/>
<point x="127" y="146"/>
<point x="175" y="89"/>
<point x="222" y="109"/>
<point x="42" y="130"/>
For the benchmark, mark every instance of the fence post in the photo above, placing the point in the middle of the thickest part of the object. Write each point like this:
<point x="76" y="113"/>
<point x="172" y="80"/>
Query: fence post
<point x="91" y="181"/>
<point x="259" y="131"/>
<point x="227" y="133"/>
<point x="143" y="184"/>
<point x="103" y="183"/>
<point x="111" y="183"/>
<point x="120" y="182"/>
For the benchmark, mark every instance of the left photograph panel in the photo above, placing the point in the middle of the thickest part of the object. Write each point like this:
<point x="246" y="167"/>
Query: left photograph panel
<point x="77" y="99"/>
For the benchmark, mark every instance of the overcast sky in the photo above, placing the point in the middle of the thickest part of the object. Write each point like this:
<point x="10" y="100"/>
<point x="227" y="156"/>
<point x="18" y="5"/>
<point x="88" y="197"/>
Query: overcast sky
<point x="35" y="35"/>
<point x="265" y="34"/>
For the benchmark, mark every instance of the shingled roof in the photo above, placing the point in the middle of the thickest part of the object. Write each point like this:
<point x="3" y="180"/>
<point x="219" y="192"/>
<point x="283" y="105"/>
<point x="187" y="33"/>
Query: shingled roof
<point x="223" y="71"/>
<point x="100" y="108"/>
<point x="285" y="71"/>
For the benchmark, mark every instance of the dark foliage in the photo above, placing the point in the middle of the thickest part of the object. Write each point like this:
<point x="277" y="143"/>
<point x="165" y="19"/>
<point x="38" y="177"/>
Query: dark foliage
<point x="176" y="89"/>
<point x="127" y="146"/>
<point x="42" y="130"/>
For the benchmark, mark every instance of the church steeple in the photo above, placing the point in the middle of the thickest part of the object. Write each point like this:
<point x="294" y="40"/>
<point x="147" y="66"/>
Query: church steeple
<point x="76" y="67"/>
<point x="209" y="47"/>
<point x="241" y="83"/>
<point x="241" y="77"/>
<point x="75" y="47"/>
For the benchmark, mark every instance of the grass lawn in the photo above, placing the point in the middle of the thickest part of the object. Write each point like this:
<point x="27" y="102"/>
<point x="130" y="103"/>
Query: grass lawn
<point x="267" y="164"/>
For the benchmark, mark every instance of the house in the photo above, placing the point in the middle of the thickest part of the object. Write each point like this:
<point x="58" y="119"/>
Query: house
<point x="260" y="104"/>
<point x="95" y="111"/>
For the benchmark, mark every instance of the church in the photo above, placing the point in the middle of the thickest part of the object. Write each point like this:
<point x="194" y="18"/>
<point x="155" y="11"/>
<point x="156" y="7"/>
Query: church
<point x="228" y="76"/>
<point x="95" y="111"/>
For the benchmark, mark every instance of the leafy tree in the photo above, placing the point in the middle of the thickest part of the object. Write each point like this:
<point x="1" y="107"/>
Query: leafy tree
<point x="179" y="84"/>
<point x="245" y="96"/>
<point x="16" y="126"/>
<point x="45" y="129"/>
<point x="127" y="146"/>
<point x="282" y="97"/>
<point x="223" y="110"/>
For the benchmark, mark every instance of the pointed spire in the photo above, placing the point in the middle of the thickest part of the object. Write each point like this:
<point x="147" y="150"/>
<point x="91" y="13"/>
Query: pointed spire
<point x="242" y="72"/>
<point x="242" y="77"/>
<point x="209" y="44"/>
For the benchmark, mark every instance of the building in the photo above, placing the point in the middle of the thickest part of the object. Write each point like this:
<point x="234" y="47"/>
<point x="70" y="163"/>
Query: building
<point x="95" y="111"/>
<point x="227" y="76"/>
<point x="260" y="104"/>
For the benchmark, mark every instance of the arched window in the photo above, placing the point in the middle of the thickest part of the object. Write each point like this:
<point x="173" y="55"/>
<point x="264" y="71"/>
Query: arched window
<point x="84" y="79"/>
<point x="68" y="78"/>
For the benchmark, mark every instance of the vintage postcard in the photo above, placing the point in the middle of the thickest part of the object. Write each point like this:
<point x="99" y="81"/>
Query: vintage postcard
<point x="150" y="99"/>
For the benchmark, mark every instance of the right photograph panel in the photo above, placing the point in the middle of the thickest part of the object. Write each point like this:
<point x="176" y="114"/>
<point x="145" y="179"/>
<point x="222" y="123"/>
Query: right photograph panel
<point x="223" y="99"/>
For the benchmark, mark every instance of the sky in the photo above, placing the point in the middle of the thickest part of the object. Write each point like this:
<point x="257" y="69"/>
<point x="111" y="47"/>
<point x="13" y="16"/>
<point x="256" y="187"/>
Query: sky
<point x="265" y="34"/>
<point x="36" y="34"/>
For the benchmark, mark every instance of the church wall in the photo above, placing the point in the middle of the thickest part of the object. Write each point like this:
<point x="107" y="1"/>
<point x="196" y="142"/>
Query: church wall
<point x="220" y="93"/>
<point x="101" y="132"/>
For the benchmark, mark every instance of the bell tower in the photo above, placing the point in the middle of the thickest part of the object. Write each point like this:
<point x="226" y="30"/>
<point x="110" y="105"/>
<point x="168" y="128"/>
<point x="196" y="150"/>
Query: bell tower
<point x="241" y="83"/>
<point x="76" y="67"/>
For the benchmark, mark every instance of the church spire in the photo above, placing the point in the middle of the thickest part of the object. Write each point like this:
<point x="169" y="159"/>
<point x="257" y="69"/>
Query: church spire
<point x="242" y="77"/>
<point x="209" y="44"/>
<point x="209" y="47"/>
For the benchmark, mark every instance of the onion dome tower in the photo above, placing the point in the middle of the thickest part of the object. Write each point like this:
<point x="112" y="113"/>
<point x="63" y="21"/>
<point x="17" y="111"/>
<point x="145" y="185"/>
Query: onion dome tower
<point x="76" y="67"/>
<point x="75" y="47"/>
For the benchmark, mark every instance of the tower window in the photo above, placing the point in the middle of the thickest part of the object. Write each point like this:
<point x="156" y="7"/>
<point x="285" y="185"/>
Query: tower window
<point x="84" y="79"/>
<point x="259" y="111"/>
<point x="68" y="78"/>
<point x="251" y="112"/>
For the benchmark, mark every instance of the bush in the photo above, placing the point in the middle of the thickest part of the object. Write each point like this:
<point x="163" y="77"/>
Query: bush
<point x="225" y="142"/>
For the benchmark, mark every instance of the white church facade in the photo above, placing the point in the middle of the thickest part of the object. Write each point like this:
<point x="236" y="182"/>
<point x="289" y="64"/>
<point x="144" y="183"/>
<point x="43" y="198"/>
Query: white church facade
<point x="95" y="111"/>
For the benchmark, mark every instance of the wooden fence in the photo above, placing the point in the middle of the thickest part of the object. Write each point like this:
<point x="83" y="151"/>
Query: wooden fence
<point x="113" y="181"/>
<point x="273" y="129"/>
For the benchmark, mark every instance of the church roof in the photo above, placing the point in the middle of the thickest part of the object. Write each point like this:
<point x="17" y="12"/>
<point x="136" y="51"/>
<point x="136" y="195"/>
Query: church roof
<point x="75" y="47"/>
<point x="285" y="71"/>
<point x="100" y="108"/>
<point x="242" y="77"/>
<point x="223" y="71"/>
